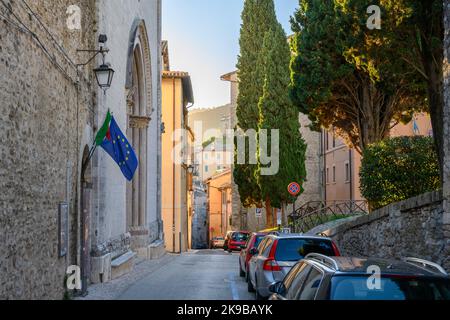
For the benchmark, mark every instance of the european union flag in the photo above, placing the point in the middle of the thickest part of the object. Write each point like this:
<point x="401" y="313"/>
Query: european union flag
<point x="118" y="147"/>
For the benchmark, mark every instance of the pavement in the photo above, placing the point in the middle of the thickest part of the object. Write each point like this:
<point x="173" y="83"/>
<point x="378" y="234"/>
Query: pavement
<point x="196" y="275"/>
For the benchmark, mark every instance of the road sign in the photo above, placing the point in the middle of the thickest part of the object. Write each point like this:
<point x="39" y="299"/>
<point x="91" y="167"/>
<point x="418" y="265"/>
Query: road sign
<point x="258" y="213"/>
<point x="294" y="189"/>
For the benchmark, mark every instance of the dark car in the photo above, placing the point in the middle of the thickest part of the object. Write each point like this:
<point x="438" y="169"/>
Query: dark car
<point x="236" y="240"/>
<point x="245" y="256"/>
<point x="319" y="277"/>
<point x="276" y="255"/>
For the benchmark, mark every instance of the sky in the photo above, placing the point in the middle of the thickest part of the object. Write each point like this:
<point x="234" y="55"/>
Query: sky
<point x="203" y="40"/>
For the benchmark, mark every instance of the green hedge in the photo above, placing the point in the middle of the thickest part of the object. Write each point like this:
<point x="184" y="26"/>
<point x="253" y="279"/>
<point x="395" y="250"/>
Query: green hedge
<point x="397" y="169"/>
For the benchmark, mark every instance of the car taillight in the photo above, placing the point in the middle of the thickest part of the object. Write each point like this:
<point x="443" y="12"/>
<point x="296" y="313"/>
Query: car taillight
<point x="335" y="249"/>
<point x="271" y="265"/>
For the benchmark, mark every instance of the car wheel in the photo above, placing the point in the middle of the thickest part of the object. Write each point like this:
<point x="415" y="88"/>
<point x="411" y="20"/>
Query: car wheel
<point x="250" y="287"/>
<point x="241" y="272"/>
<point x="258" y="296"/>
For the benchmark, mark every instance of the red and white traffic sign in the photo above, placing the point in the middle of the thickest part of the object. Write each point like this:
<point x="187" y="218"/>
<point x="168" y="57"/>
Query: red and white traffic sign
<point x="294" y="189"/>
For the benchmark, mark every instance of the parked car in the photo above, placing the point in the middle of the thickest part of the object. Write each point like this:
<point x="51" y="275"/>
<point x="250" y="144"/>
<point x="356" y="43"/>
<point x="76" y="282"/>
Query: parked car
<point x="245" y="255"/>
<point x="236" y="240"/>
<point x="276" y="255"/>
<point x="217" y="242"/>
<point x="319" y="277"/>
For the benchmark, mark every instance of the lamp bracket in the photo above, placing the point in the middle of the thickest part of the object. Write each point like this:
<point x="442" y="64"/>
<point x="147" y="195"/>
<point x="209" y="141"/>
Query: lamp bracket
<point x="103" y="51"/>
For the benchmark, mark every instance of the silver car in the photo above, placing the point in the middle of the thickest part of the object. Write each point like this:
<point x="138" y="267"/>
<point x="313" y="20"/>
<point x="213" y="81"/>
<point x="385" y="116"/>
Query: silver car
<point x="276" y="255"/>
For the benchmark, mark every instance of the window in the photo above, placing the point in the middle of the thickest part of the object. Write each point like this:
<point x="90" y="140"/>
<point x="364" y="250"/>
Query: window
<point x="347" y="172"/>
<point x="267" y="248"/>
<point x="392" y="288"/>
<point x="297" y="249"/>
<point x="298" y="281"/>
<point x="262" y="245"/>
<point x="334" y="174"/>
<point x="334" y="140"/>
<point x="291" y="275"/>
<point x="294" y="280"/>
<point x="311" y="286"/>
<point x="328" y="175"/>
<point x="206" y="168"/>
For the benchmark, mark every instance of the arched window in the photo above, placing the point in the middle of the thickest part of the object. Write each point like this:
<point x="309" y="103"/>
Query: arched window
<point x="138" y="89"/>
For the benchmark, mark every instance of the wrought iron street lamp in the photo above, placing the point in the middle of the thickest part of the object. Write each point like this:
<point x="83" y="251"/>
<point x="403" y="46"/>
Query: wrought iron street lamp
<point x="104" y="74"/>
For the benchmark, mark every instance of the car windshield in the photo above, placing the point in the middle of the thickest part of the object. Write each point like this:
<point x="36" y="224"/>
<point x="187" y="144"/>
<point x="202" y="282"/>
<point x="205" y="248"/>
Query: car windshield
<point x="240" y="237"/>
<point x="389" y="288"/>
<point x="297" y="249"/>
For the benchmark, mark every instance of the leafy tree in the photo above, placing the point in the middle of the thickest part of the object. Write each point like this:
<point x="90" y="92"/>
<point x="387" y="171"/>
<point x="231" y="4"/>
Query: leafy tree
<point x="349" y="77"/>
<point x="258" y="17"/>
<point x="421" y="36"/>
<point x="397" y="169"/>
<point x="277" y="112"/>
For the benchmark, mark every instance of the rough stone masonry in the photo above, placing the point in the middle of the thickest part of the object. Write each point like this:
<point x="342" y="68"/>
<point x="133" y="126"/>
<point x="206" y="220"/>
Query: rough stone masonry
<point x="41" y="111"/>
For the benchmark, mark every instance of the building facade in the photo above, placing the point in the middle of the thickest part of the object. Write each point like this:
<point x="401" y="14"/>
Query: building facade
<point x="55" y="212"/>
<point x="219" y="204"/>
<point x="126" y="218"/>
<point x="341" y="165"/>
<point x="177" y="169"/>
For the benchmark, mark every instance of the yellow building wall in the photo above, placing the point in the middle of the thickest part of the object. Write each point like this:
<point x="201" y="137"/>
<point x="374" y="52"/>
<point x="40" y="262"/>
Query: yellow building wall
<point x="173" y="185"/>
<point x="219" y="215"/>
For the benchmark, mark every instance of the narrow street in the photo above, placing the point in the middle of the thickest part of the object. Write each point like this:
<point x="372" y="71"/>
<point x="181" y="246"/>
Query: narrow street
<point x="197" y="275"/>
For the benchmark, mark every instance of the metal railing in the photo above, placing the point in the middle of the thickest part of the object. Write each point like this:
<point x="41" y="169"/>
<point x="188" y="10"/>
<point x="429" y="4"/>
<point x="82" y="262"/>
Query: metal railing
<point x="315" y="213"/>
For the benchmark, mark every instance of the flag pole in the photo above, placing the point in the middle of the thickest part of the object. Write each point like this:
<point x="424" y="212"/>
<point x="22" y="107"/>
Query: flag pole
<point x="90" y="155"/>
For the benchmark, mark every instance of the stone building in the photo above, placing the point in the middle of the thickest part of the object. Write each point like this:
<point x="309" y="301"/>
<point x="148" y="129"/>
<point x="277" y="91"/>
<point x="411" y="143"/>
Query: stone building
<point x="50" y="110"/>
<point x="126" y="216"/>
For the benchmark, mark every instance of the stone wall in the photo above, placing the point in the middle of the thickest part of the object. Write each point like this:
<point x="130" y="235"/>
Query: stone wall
<point x="43" y="115"/>
<point x="412" y="228"/>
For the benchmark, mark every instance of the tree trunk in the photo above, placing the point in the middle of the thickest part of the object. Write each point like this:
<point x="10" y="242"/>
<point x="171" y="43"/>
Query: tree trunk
<point x="269" y="215"/>
<point x="432" y="61"/>
<point x="436" y="101"/>
<point x="371" y="128"/>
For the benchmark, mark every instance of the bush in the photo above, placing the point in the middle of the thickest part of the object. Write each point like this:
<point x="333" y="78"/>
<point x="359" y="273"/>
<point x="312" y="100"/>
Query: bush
<point x="397" y="169"/>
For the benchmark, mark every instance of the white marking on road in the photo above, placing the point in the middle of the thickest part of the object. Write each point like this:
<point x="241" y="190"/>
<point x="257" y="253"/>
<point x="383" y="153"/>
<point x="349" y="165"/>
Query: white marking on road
<point x="234" y="290"/>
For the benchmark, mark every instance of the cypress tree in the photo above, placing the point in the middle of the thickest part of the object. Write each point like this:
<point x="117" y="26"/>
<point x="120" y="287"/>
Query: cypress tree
<point x="258" y="17"/>
<point x="278" y="112"/>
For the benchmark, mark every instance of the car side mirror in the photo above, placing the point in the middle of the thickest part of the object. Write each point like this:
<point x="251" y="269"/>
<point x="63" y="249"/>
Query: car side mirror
<point x="253" y="251"/>
<point x="276" y="288"/>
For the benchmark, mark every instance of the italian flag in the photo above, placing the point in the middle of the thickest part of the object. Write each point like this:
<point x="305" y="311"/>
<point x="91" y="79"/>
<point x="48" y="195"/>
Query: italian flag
<point x="104" y="131"/>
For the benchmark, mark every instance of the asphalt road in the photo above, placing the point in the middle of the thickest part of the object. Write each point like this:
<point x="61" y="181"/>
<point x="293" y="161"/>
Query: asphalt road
<point x="198" y="275"/>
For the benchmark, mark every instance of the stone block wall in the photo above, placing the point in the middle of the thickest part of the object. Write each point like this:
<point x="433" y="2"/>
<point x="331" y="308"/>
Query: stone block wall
<point x="43" y="115"/>
<point x="412" y="228"/>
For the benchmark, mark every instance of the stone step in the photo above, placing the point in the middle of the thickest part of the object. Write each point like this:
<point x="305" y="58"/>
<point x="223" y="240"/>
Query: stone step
<point x="122" y="265"/>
